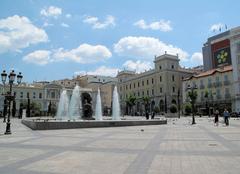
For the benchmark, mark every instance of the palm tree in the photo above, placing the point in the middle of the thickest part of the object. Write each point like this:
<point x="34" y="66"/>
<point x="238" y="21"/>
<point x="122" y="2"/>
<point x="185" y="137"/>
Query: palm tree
<point x="130" y="102"/>
<point x="146" y="100"/>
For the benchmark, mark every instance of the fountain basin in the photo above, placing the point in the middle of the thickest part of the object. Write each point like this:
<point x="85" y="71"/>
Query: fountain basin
<point x="49" y="124"/>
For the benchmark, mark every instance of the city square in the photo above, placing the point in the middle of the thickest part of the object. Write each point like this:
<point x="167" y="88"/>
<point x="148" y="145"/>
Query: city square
<point x="178" y="147"/>
<point x="125" y="87"/>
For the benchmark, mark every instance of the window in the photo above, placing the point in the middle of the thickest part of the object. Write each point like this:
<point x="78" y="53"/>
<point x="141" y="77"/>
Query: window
<point x="147" y="82"/>
<point x="142" y="83"/>
<point x="15" y="94"/>
<point x="160" y="90"/>
<point x="152" y="91"/>
<point x="138" y="84"/>
<point x="152" y="80"/>
<point x="126" y="87"/>
<point x="134" y="85"/>
<point x="138" y="93"/>
<point x="160" y="67"/>
<point x="21" y="94"/>
<point x="173" y="89"/>
<point x="130" y="86"/>
<point x="52" y="94"/>
<point x="172" y="66"/>
<point x="40" y="95"/>
<point x="34" y="95"/>
<point x="173" y="78"/>
<point x="147" y="92"/>
<point x="143" y="93"/>
<point x="225" y="77"/>
<point x="28" y="95"/>
<point x="160" y="78"/>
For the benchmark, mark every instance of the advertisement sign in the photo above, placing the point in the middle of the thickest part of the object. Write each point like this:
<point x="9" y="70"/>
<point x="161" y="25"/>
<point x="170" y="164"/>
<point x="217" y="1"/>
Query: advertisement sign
<point x="222" y="57"/>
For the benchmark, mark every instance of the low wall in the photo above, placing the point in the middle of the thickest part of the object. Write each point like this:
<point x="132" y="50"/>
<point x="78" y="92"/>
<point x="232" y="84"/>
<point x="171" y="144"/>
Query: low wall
<point x="48" y="125"/>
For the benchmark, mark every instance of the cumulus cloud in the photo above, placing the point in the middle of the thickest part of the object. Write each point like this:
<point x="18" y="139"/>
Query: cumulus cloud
<point x="138" y="66"/>
<point x="17" y="32"/>
<point x="96" y="24"/>
<point x="64" y="25"/>
<point x="146" y="48"/>
<point x="84" y="54"/>
<point x="39" y="57"/>
<point x="196" y="59"/>
<point x="51" y="11"/>
<point x="216" y="27"/>
<point x="102" y="70"/>
<point x="161" y="25"/>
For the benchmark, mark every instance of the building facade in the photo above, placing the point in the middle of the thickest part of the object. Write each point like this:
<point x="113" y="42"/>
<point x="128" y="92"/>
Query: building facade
<point x="223" y="50"/>
<point x="214" y="89"/>
<point x="161" y="84"/>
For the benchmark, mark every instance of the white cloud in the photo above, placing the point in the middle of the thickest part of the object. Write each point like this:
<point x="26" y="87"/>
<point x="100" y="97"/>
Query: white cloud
<point x="138" y="66"/>
<point x="196" y="59"/>
<point x="161" y="25"/>
<point x="146" y="48"/>
<point x="64" y="25"/>
<point x="39" y="57"/>
<point x="96" y="24"/>
<point x="216" y="27"/>
<point x="84" y="54"/>
<point x="68" y="15"/>
<point x="17" y="32"/>
<point x="103" y="70"/>
<point x="51" y="12"/>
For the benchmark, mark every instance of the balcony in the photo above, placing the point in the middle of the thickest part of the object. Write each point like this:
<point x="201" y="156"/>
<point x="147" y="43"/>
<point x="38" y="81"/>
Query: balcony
<point x="210" y="85"/>
<point x="201" y="86"/>
<point x="218" y="84"/>
<point x="226" y="82"/>
<point x="228" y="96"/>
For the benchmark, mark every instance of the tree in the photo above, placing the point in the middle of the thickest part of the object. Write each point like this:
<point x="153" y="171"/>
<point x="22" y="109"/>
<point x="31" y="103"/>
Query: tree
<point x="130" y="102"/>
<point x="193" y="97"/>
<point x="146" y="100"/>
<point x="173" y="108"/>
<point x="206" y="96"/>
<point x="188" y="108"/>
<point x="156" y="109"/>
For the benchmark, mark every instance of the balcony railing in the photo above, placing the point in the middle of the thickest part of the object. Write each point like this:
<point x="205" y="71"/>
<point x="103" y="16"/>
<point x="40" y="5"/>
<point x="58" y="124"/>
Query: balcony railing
<point x="218" y="97"/>
<point x="226" y="82"/>
<point x="201" y="86"/>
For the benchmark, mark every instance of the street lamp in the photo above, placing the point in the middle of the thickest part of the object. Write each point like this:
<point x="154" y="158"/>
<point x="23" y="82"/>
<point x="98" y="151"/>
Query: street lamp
<point x="9" y="97"/>
<point x="193" y="96"/>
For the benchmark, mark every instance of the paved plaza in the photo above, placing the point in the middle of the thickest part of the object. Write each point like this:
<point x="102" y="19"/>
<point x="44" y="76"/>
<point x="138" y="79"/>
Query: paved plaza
<point x="177" y="147"/>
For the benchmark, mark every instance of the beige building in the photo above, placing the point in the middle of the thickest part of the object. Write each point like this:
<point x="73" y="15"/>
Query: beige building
<point x="161" y="84"/>
<point x="217" y="83"/>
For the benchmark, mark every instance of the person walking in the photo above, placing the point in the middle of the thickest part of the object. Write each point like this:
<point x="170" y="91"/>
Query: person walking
<point x="226" y="116"/>
<point x="216" y="118"/>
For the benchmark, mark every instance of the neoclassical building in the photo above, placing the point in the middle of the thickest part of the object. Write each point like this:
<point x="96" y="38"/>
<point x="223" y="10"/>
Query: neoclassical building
<point x="42" y="93"/>
<point x="163" y="84"/>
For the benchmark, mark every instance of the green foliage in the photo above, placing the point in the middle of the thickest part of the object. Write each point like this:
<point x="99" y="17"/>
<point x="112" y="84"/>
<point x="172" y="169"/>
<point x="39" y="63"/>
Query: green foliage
<point x="156" y="109"/>
<point x="193" y="95"/>
<point x="187" y="108"/>
<point x="206" y="94"/>
<point x="173" y="108"/>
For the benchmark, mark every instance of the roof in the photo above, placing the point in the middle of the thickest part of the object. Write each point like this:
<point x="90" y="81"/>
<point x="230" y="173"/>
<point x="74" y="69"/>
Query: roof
<point x="210" y="72"/>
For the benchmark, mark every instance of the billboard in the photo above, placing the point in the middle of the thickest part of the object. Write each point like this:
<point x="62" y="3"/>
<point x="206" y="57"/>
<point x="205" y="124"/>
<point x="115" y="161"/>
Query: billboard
<point x="222" y="57"/>
<point x="221" y="53"/>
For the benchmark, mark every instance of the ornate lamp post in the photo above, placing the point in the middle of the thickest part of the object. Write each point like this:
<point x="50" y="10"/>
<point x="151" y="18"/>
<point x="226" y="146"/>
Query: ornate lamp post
<point x="193" y="96"/>
<point x="9" y="97"/>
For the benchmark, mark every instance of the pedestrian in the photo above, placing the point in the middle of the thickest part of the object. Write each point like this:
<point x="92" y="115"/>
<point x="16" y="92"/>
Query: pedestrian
<point x="216" y="117"/>
<point x="226" y="116"/>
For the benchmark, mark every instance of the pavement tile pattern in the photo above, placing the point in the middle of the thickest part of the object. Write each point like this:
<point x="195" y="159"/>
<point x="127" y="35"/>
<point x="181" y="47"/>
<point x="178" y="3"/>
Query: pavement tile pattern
<point x="175" y="148"/>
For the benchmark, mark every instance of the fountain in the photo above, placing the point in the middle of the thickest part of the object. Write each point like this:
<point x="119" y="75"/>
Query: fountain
<point x="69" y="116"/>
<point x="75" y="105"/>
<point x="62" y="111"/>
<point x="98" y="112"/>
<point x="115" y="105"/>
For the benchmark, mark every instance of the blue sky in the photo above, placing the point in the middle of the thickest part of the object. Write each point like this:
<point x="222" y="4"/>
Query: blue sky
<point x="50" y="40"/>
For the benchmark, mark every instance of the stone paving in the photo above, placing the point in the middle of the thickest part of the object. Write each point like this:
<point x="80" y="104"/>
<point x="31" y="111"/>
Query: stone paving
<point x="177" y="147"/>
